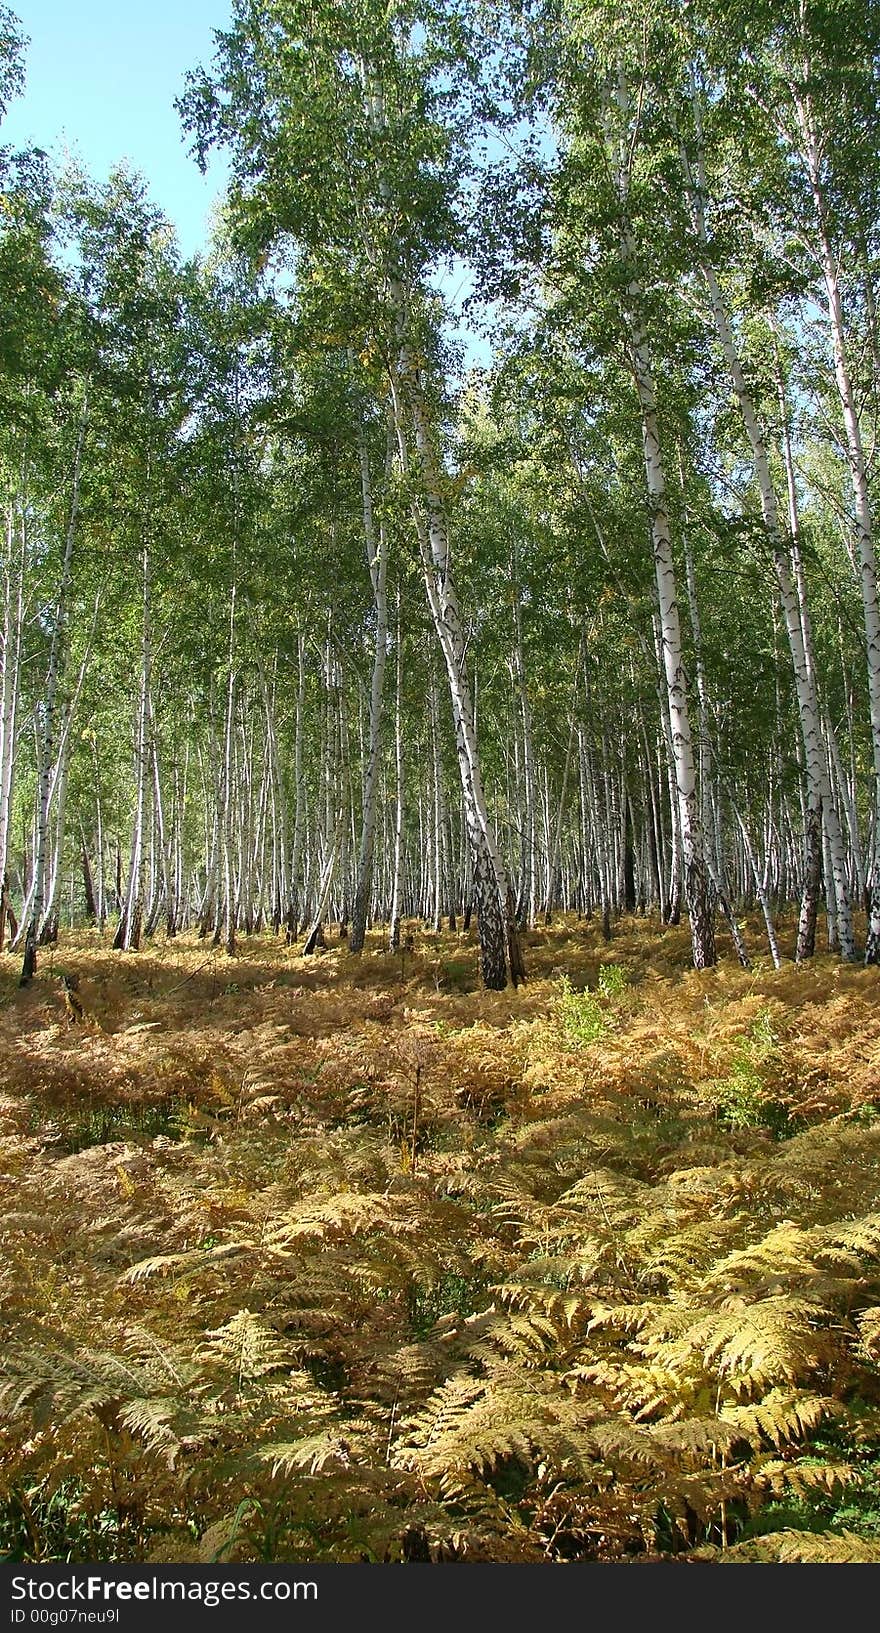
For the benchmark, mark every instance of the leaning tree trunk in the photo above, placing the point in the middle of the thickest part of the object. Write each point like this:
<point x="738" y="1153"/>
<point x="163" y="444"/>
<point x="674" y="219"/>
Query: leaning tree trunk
<point x="499" y="944"/>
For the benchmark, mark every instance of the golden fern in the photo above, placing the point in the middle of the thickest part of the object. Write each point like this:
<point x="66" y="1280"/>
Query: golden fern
<point x="593" y="1322"/>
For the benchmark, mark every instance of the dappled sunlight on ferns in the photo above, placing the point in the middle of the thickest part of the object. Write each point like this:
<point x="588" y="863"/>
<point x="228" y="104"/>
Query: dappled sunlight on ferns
<point x="320" y="1261"/>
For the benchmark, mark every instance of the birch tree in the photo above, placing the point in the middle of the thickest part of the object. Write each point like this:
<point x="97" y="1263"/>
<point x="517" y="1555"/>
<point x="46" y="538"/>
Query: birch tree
<point x="361" y="84"/>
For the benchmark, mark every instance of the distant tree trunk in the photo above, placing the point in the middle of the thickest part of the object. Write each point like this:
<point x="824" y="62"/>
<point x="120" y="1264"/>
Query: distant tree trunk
<point x="280" y="856"/>
<point x="397" y="863"/>
<point x="101" y="904"/>
<point x="10" y="676"/>
<point x="554" y="850"/>
<point x="225" y="929"/>
<point x="91" y="904"/>
<point x="333" y="800"/>
<point x="47" y="740"/>
<point x="376" y="539"/>
<point x="128" y="931"/>
<point x="293" y="906"/>
<point x="528" y="887"/>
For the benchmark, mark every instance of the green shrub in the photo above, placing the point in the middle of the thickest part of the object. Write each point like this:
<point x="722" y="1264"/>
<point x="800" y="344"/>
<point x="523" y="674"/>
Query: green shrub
<point x="585" y="1016"/>
<point x="744" y="1098"/>
<point x="612" y="982"/>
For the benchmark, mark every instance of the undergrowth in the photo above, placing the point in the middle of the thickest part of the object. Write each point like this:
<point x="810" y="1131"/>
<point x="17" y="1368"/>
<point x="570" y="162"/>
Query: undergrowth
<point x="344" y="1259"/>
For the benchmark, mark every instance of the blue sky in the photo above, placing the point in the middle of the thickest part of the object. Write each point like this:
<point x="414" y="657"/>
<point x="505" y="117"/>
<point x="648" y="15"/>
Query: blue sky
<point x="102" y="76"/>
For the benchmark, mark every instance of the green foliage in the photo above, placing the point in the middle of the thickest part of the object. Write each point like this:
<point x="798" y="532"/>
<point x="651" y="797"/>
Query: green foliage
<point x="745" y="1098"/>
<point x="581" y="1015"/>
<point x="611" y="982"/>
<point x="586" y="1016"/>
<point x="11" y="58"/>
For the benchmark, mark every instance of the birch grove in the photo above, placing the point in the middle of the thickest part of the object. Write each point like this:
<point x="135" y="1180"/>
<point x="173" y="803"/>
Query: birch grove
<point x="315" y="625"/>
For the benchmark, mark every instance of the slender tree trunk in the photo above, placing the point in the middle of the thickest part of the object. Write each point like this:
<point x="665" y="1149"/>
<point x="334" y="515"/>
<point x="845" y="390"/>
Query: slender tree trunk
<point x="299" y="797"/>
<point x="819" y="791"/>
<point x="377" y="561"/>
<point x="10" y="680"/>
<point x="226" y="930"/>
<point x="397" y="863"/>
<point x="499" y="945"/>
<point x="128" y="932"/>
<point x="863" y="519"/>
<point x="528" y="885"/>
<point x="716" y="872"/>
<point x="696" y="879"/>
<point x="553" y="850"/>
<point x="47" y="739"/>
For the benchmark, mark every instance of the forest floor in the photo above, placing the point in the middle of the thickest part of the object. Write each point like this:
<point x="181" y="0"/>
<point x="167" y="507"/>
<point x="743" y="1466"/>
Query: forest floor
<point x="346" y="1258"/>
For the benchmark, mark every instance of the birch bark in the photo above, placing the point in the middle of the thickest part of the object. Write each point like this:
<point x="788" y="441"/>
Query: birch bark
<point x="499" y="944"/>
<point x="10" y="680"/>
<point x="819" y="791"/>
<point x="128" y="931"/>
<point x="696" y="879"/>
<point x="397" y="863"/>
<point x="376" y="540"/>
<point x="858" y="471"/>
<point x="47" y="736"/>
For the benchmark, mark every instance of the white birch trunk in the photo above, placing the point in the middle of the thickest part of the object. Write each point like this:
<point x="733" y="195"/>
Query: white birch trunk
<point x="10" y="692"/>
<point x="34" y="917"/>
<point x="819" y="791"/>
<point x="376" y="541"/>
<point x="128" y="932"/>
<point x="696" y="879"/>
<point x="397" y="864"/>
<point x="499" y="947"/>
<point x="863" y="519"/>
